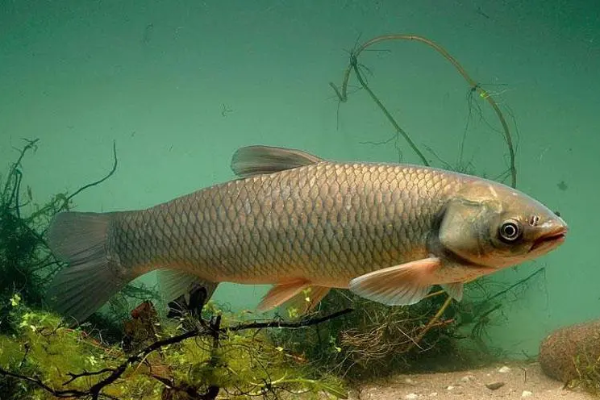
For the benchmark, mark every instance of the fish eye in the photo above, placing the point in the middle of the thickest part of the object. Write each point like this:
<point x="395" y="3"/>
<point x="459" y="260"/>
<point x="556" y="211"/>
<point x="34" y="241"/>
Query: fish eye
<point x="510" y="231"/>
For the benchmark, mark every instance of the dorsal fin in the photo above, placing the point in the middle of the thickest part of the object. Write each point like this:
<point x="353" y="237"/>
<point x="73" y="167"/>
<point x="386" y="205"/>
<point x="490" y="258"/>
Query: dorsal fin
<point x="256" y="160"/>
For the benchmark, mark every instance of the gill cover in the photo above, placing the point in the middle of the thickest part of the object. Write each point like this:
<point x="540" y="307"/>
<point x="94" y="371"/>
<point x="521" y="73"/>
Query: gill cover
<point x="465" y="228"/>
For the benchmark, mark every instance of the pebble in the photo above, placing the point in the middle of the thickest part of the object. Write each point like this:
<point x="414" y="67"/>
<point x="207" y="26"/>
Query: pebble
<point x="494" y="385"/>
<point x="467" y="378"/>
<point x="526" y="393"/>
<point x="433" y="394"/>
<point x="411" y="396"/>
<point x="450" y="388"/>
<point x="504" y="370"/>
<point x="409" y="381"/>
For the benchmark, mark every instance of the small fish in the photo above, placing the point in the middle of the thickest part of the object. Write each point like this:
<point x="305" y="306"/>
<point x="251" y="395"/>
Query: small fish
<point x="387" y="232"/>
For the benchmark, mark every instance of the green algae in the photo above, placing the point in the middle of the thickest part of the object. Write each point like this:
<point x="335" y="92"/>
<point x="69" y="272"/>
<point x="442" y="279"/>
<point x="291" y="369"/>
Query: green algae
<point x="70" y="361"/>
<point x="587" y="366"/>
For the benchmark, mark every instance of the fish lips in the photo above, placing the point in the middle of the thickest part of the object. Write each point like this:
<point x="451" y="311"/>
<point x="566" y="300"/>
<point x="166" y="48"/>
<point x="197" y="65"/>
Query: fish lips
<point x="550" y="240"/>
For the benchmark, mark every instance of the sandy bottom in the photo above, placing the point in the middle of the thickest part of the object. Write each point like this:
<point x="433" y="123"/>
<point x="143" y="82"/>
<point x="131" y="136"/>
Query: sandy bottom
<point x="520" y="381"/>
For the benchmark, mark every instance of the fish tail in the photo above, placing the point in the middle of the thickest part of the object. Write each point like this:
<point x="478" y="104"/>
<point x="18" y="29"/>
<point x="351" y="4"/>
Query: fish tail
<point x="81" y="239"/>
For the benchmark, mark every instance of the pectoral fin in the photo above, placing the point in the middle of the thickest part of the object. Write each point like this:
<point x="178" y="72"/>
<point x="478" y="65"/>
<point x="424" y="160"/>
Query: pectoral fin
<point x="281" y="293"/>
<point x="399" y="285"/>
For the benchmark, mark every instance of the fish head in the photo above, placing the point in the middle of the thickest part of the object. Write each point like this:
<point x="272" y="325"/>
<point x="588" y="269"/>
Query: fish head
<point x="492" y="225"/>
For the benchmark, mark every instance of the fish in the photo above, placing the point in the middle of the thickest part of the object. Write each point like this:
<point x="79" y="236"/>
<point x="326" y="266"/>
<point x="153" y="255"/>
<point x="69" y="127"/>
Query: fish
<point x="388" y="232"/>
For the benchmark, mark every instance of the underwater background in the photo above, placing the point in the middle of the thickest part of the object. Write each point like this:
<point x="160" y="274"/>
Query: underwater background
<point x="180" y="85"/>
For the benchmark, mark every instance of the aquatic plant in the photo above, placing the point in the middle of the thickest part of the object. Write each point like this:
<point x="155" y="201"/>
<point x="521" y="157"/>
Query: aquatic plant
<point x="26" y="263"/>
<point x="186" y="358"/>
<point x="588" y="373"/>
<point x="483" y="308"/>
<point x="377" y="340"/>
<point x="374" y="340"/>
<point x="355" y="66"/>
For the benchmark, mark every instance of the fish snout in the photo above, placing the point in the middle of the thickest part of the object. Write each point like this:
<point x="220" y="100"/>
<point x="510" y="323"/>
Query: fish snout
<point x="553" y="233"/>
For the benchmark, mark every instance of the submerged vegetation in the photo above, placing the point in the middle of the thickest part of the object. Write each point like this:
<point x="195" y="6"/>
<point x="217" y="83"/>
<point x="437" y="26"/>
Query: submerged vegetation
<point x="46" y="359"/>
<point x="25" y="262"/>
<point x="204" y="352"/>
<point x="588" y="374"/>
<point x="356" y="67"/>
<point x="377" y="340"/>
<point x="374" y="340"/>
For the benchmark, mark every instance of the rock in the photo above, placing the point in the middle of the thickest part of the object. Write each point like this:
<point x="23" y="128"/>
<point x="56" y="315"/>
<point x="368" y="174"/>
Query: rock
<point x="467" y="378"/>
<point x="504" y="370"/>
<point x="526" y="393"/>
<point x="411" y="396"/>
<point x="559" y="349"/>
<point x="494" y="385"/>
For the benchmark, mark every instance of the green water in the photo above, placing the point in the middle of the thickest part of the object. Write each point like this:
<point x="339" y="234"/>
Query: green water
<point x="181" y="85"/>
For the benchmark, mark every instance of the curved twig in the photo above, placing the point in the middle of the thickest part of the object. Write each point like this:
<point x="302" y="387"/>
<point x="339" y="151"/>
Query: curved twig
<point x="343" y="92"/>
<point x="89" y="185"/>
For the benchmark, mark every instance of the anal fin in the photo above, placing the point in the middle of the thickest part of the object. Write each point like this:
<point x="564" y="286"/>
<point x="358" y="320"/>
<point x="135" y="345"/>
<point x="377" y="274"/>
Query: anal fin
<point x="399" y="285"/>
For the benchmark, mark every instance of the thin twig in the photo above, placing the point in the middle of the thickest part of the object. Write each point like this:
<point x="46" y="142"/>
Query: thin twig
<point x="89" y="185"/>
<point x="431" y="323"/>
<point x="514" y="285"/>
<point x="289" y="325"/>
<point x="57" y="393"/>
<point x="388" y="115"/>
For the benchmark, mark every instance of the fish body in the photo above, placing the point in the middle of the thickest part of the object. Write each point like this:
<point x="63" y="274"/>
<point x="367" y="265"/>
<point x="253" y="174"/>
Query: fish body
<point x="388" y="232"/>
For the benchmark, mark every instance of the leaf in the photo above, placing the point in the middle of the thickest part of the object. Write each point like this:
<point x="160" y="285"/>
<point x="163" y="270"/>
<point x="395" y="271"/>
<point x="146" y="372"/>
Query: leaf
<point x="334" y="390"/>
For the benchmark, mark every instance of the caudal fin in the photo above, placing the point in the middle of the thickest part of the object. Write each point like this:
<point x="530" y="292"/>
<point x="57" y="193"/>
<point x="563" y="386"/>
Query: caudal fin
<point x="91" y="278"/>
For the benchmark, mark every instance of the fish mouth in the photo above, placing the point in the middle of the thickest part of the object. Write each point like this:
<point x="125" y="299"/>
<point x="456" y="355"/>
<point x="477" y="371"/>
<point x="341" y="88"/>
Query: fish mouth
<point x="551" y="239"/>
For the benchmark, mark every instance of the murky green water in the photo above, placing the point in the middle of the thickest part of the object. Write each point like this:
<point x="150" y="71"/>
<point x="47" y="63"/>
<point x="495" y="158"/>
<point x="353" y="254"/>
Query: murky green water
<point x="179" y="86"/>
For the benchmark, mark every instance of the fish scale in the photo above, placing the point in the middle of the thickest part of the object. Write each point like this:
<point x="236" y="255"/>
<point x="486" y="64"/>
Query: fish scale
<point x="327" y="220"/>
<point x="388" y="232"/>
